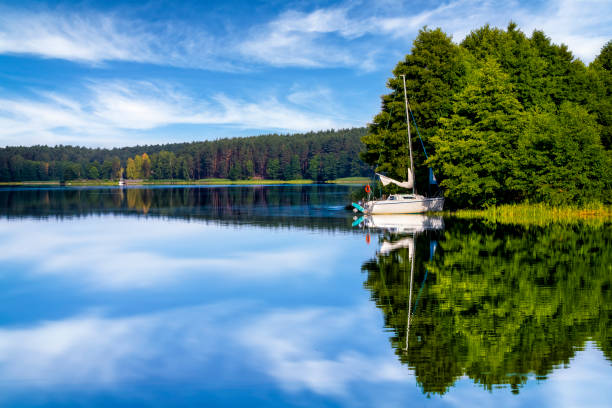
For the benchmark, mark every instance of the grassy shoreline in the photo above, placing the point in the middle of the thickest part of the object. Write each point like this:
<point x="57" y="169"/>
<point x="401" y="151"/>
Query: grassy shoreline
<point x="211" y="181"/>
<point x="539" y="214"/>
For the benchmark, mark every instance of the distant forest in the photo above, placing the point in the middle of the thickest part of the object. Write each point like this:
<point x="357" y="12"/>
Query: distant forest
<point x="321" y="156"/>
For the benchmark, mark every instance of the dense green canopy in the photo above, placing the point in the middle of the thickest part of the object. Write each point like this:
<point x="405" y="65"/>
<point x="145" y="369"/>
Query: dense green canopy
<point x="505" y="118"/>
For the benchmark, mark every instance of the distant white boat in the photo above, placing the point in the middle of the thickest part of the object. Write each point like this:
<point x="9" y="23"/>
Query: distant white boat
<point x="402" y="203"/>
<point x="121" y="182"/>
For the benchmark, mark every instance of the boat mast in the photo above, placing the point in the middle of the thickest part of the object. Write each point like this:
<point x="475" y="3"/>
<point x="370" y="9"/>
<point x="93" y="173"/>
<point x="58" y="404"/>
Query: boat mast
<point x="409" y="137"/>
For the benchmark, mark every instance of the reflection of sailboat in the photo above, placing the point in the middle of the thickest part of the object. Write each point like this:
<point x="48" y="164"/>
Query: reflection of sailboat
<point x="410" y="226"/>
<point x="403" y="224"/>
<point x="388" y="247"/>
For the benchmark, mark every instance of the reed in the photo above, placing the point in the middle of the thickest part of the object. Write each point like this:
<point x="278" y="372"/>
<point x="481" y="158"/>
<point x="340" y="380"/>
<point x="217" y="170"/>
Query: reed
<point x="540" y="214"/>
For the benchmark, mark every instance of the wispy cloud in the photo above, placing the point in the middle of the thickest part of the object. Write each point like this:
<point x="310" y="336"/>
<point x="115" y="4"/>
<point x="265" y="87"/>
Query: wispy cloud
<point x="106" y="110"/>
<point x="348" y="35"/>
<point x="96" y="38"/>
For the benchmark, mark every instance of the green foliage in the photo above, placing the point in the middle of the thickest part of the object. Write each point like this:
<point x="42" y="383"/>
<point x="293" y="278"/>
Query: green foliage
<point x="506" y="118"/>
<point x="560" y="160"/>
<point x="473" y="146"/>
<point x="335" y="154"/>
<point x="434" y="70"/>
<point x="93" y="173"/>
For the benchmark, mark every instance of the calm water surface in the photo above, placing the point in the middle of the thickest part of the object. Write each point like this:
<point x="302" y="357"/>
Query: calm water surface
<point x="269" y="296"/>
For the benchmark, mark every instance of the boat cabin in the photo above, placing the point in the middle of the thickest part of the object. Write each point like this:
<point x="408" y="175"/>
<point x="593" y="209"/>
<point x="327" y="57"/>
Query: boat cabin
<point x="397" y="197"/>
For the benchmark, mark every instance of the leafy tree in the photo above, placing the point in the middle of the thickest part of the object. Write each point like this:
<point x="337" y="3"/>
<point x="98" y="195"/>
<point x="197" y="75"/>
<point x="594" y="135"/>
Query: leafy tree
<point x="435" y="69"/>
<point x="474" y="146"/>
<point x="273" y="169"/>
<point x="235" y="171"/>
<point x="130" y="169"/>
<point x="560" y="158"/>
<point x="93" y="173"/>
<point x="116" y="170"/>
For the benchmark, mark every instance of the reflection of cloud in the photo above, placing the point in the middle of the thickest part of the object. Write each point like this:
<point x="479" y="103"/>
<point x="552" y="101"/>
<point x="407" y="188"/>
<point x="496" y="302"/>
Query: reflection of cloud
<point x="290" y="345"/>
<point x="99" y="351"/>
<point x="85" y="349"/>
<point x="312" y="349"/>
<point x="338" y="353"/>
<point x="124" y="253"/>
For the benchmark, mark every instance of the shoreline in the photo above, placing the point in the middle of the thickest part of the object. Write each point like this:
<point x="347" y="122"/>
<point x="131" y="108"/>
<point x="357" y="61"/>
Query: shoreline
<point x="348" y="180"/>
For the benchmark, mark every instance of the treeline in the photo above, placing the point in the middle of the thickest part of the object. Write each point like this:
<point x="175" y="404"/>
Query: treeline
<point x="505" y="118"/>
<point x="321" y="156"/>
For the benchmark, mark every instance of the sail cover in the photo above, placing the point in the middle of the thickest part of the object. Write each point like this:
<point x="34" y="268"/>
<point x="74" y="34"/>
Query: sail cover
<point x="406" y="184"/>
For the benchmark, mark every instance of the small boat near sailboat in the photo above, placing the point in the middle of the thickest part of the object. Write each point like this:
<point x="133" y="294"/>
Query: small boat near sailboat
<point x="402" y="203"/>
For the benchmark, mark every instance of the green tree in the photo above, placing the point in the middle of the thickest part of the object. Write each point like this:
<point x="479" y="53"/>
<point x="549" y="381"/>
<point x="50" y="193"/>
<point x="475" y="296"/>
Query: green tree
<point x="313" y="168"/>
<point x="93" y="173"/>
<point x="249" y="169"/>
<point x="273" y="169"/>
<point x="116" y="170"/>
<point x="474" y="147"/>
<point x="560" y="158"/>
<point x="435" y="69"/>
<point x="235" y="171"/>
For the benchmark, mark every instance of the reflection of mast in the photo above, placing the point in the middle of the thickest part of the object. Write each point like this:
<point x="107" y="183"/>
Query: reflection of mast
<point x="411" y="256"/>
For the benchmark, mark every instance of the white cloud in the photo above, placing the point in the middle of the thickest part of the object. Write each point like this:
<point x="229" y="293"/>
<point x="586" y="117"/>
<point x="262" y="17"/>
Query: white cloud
<point x="338" y="36"/>
<point x="95" y="38"/>
<point x="343" y="36"/>
<point x="107" y="110"/>
<point x="87" y="38"/>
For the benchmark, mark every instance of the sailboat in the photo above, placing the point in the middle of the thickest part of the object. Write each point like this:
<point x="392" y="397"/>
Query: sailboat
<point x="402" y="203"/>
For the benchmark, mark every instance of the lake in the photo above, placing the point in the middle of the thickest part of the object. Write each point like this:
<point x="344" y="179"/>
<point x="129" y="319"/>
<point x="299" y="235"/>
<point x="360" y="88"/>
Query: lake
<point x="276" y="296"/>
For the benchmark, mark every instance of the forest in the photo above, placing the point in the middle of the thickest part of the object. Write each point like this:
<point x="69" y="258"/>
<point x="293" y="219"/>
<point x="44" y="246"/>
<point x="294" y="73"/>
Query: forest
<point x="319" y="156"/>
<point x="505" y="118"/>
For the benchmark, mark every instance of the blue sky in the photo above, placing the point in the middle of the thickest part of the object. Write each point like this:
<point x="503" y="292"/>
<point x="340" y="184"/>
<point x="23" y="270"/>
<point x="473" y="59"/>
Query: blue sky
<point x="125" y="73"/>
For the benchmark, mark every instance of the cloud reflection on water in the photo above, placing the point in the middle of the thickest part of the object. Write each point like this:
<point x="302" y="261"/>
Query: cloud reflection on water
<point x="127" y="253"/>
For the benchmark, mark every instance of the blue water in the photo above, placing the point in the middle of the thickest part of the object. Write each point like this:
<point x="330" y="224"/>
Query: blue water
<point x="219" y="298"/>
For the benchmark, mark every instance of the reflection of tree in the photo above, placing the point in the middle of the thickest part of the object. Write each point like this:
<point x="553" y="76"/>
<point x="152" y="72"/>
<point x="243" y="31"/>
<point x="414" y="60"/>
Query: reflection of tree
<point x="271" y="206"/>
<point x="499" y="304"/>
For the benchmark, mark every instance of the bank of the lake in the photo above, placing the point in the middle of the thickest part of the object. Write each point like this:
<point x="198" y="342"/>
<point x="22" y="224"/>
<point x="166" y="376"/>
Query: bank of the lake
<point x="539" y="214"/>
<point x="212" y="181"/>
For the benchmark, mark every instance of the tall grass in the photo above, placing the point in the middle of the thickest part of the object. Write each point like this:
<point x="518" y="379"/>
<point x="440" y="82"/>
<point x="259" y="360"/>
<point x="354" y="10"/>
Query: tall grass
<point x="540" y="214"/>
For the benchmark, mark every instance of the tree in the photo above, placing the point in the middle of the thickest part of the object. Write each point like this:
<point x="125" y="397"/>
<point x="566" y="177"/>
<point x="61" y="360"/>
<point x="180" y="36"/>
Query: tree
<point x="560" y="158"/>
<point x="138" y="162"/>
<point x="235" y="171"/>
<point x="116" y="170"/>
<point x="474" y="147"/>
<point x="92" y="172"/>
<point x="130" y="169"/>
<point x="435" y="69"/>
<point x="146" y="166"/>
<point x="273" y="169"/>
<point x="313" y="168"/>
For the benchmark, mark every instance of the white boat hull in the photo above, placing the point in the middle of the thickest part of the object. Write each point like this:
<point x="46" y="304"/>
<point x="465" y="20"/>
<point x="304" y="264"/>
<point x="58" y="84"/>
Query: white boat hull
<point x="408" y="206"/>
